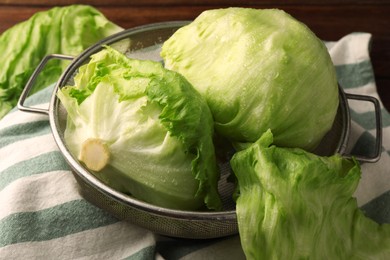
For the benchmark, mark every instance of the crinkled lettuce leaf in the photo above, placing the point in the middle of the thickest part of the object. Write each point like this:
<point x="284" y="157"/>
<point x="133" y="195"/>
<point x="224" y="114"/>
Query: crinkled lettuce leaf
<point x="258" y="69"/>
<point x="63" y="30"/>
<point x="157" y="127"/>
<point x="296" y="205"/>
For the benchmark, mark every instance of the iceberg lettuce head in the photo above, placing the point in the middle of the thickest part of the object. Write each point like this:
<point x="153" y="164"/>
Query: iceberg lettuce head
<point x="258" y="70"/>
<point x="143" y="130"/>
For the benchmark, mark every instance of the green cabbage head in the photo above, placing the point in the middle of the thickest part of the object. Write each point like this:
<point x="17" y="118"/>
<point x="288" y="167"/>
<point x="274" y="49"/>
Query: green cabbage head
<point x="143" y="130"/>
<point x="295" y="205"/>
<point x="258" y="70"/>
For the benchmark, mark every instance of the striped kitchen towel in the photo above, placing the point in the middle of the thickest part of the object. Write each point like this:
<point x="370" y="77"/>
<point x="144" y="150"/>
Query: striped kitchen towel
<point x="42" y="215"/>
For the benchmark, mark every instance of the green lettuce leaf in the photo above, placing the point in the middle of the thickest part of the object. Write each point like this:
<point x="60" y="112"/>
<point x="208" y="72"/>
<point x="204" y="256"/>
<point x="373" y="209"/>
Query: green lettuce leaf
<point x="296" y="205"/>
<point x="62" y="30"/>
<point x="157" y="129"/>
<point x="258" y="69"/>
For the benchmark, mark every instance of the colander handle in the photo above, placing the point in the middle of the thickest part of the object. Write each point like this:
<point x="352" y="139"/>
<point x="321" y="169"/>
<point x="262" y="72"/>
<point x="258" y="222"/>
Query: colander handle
<point x="378" y="125"/>
<point x="30" y="84"/>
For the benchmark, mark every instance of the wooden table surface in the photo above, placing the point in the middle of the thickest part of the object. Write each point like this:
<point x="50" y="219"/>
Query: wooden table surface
<point x="330" y="19"/>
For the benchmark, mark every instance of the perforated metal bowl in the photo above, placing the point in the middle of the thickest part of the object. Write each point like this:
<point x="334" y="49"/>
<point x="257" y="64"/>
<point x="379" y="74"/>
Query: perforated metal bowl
<point x="144" y="43"/>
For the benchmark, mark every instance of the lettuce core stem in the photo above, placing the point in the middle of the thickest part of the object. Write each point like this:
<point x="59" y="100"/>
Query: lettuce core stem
<point x="95" y="154"/>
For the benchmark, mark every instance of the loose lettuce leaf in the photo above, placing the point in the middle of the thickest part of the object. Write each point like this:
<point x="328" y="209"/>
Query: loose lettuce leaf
<point x="64" y="30"/>
<point x="258" y="69"/>
<point x="157" y="128"/>
<point x="296" y="205"/>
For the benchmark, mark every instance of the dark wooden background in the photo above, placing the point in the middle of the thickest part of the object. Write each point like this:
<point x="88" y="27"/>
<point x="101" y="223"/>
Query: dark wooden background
<point x="330" y="20"/>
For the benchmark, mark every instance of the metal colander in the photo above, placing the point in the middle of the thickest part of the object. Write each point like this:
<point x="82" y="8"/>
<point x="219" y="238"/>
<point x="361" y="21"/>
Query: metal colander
<point x="144" y="43"/>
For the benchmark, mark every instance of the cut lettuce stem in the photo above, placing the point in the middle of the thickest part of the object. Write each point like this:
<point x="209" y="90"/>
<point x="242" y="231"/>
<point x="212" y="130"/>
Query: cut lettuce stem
<point x="95" y="154"/>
